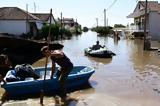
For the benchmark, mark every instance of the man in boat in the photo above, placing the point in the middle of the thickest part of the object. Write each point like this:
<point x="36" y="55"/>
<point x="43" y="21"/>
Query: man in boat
<point x="58" y="57"/>
<point x="97" y="46"/>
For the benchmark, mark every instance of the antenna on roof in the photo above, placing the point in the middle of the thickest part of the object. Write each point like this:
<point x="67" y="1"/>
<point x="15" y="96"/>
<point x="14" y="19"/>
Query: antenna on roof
<point x="26" y="18"/>
<point x="34" y="7"/>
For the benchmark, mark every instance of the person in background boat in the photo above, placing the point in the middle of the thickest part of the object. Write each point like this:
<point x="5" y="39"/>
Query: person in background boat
<point x="5" y="65"/>
<point x="97" y="46"/>
<point x="58" y="57"/>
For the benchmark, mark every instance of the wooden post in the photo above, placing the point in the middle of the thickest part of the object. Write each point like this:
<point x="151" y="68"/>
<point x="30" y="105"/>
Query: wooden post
<point x="48" y="42"/>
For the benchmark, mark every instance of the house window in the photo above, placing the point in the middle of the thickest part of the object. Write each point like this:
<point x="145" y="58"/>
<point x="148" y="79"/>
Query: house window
<point x="139" y="7"/>
<point x="142" y="22"/>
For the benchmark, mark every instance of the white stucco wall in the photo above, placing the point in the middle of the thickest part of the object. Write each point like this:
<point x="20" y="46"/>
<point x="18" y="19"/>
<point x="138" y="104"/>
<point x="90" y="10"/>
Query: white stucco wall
<point x="154" y="25"/>
<point x="52" y="21"/>
<point x="16" y="27"/>
<point x="39" y="24"/>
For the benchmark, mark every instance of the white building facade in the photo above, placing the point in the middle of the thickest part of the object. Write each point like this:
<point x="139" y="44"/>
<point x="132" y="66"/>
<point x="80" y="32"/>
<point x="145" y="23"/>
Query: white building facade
<point x="152" y="20"/>
<point x="15" y="21"/>
<point x="16" y="27"/>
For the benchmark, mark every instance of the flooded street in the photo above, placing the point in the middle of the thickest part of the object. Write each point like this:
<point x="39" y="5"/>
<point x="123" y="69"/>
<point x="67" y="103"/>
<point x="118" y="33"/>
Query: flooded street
<point x="130" y="78"/>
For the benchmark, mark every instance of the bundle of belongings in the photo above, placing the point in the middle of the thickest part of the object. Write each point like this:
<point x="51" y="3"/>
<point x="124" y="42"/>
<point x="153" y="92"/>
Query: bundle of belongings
<point x="20" y="73"/>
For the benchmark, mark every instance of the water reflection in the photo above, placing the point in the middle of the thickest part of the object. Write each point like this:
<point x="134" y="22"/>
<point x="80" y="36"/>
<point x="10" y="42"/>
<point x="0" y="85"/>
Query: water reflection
<point x="130" y="77"/>
<point x="102" y="61"/>
<point x="116" y="39"/>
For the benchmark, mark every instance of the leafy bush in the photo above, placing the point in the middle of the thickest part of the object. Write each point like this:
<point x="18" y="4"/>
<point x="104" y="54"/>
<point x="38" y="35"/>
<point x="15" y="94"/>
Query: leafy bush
<point x="54" y="31"/>
<point x="66" y="32"/>
<point x="119" y="26"/>
<point x="85" y="29"/>
<point x="103" y="30"/>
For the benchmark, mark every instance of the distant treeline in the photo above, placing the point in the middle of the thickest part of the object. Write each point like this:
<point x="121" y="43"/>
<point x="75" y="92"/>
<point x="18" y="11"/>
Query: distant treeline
<point x="103" y="30"/>
<point x="106" y="30"/>
<point x="56" y="32"/>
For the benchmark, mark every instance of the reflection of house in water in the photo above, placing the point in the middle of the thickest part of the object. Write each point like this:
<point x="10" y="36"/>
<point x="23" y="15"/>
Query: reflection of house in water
<point x="152" y="20"/>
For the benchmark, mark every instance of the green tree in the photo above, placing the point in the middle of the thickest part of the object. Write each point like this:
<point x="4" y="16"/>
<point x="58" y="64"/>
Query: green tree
<point x="119" y="26"/>
<point x="103" y="30"/>
<point x="54" y="31"/>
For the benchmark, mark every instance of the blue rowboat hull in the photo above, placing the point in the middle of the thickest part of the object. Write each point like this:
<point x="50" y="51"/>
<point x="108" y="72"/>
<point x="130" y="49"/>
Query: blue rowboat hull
<point x="78" y="76"/>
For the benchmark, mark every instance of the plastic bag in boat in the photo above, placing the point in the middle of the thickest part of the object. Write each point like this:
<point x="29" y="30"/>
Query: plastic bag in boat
<point x="25" y="70"/>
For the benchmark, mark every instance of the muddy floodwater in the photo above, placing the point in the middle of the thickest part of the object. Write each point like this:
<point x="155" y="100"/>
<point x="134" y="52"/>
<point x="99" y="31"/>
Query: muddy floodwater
<point x="130" y="78"/>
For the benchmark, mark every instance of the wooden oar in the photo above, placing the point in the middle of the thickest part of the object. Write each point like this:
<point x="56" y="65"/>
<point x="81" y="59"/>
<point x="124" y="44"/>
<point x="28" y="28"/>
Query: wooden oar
<point x="48" y="42"/>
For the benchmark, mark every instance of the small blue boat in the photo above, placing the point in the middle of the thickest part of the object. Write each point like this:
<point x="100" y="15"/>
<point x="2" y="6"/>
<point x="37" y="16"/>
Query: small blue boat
<point x="78" y="76"/>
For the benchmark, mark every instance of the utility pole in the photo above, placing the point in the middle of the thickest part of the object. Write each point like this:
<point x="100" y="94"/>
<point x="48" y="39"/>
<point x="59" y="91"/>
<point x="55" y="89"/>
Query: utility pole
<point x="104" y="17"/>
<point x="34" y="7"/>
<point x="61" y="32"/>
<point x="76" y="27"/>
<point x="26" y="18"/>
<point x="97" y="22"/>
<point x="61" y="20"/>
<point x="107" y="22"/>
<point x="146" y="35"/>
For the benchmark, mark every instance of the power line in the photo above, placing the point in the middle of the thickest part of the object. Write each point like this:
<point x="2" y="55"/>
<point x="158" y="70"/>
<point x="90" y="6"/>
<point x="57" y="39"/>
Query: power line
<point x="137" y="0"/>
<point x="111" y="4"/>
<point x="107" y="10"/>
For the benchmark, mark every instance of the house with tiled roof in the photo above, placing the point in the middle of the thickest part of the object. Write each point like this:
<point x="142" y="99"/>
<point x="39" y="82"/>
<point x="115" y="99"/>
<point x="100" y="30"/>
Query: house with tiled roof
<point x="152" y="20"/>
<point x="45" y="17"/>
<point x="16" y="21"/>
<point x="71" y="24"/>
<point x="68" y="21"/>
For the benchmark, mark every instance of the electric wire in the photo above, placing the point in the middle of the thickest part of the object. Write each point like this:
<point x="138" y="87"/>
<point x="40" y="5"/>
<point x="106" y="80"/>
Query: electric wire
<point x="111" y="4"/>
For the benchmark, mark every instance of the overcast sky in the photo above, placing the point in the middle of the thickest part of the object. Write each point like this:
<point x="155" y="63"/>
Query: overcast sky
<point x="85" y="11"/>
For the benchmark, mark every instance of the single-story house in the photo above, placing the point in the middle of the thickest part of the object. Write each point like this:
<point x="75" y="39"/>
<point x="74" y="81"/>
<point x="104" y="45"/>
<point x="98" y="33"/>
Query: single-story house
<point x="16" y="21"/>
<point x="152" y="20"/>
<point x="45" y="17"/>
<point x="68" y="22"/>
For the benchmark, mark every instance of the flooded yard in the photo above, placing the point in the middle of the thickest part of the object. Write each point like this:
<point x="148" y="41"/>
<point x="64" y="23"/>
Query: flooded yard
<point x="130" y="78"/>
